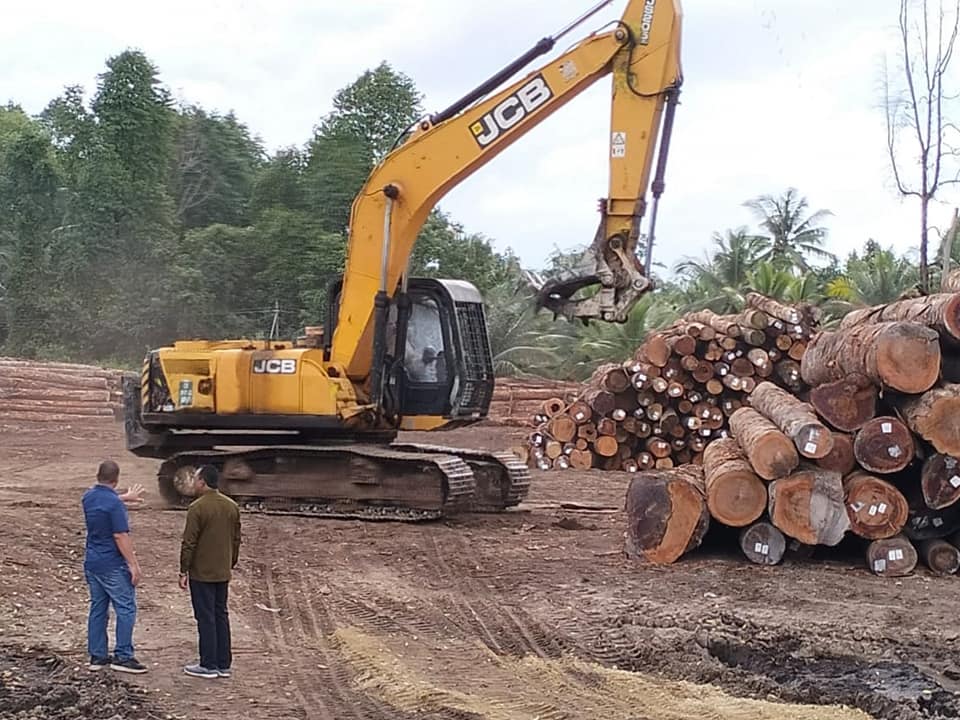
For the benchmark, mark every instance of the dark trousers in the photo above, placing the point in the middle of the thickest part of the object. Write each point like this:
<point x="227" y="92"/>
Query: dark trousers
<point x="213" y="623"/>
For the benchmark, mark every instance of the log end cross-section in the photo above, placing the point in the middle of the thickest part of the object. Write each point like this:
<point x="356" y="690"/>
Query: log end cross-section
<point x="667" y="514"/>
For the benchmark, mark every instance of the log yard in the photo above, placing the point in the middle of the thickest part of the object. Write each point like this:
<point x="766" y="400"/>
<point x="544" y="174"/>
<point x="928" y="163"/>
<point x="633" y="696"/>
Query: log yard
<point x="280" y="439"/>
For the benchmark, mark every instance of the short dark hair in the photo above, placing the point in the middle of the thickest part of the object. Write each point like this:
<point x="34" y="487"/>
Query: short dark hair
<point x="210" y="476"/>
<point x="108" y="472"/>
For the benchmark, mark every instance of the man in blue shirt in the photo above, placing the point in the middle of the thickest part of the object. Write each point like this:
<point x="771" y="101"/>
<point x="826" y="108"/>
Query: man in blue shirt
<point x="112" y="571"/>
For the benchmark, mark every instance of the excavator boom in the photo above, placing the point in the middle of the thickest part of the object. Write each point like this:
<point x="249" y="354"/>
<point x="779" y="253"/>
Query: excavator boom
<point x="641" y="54"/>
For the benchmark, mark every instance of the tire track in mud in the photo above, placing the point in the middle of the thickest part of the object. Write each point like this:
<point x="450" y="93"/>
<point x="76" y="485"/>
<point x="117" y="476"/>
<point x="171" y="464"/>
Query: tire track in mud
<point x="392" y="616"/>
<point x="318" y="625"/>
<point x="505" y="627"/>
<point x="277" y="641"/>
<point x="321" y="680"/>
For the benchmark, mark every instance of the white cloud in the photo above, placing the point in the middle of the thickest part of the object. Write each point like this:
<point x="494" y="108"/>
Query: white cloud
<point x="773" y="97"/>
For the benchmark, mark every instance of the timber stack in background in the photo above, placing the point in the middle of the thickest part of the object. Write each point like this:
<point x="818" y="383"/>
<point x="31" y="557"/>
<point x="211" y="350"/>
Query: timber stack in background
<point x="57" y="393"/>
<point x="789" y="435"/>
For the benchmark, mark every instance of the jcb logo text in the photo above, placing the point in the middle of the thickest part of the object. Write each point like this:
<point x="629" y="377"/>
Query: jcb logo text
<point x="274" y="366"/>
<point x="510" y="111"/>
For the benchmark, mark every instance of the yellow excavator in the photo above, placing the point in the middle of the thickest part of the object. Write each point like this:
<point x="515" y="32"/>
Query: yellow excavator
<point x="313" y="430"/>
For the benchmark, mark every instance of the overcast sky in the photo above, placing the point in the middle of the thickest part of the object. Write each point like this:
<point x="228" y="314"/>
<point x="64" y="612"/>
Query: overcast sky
<point x="777" y="93"/>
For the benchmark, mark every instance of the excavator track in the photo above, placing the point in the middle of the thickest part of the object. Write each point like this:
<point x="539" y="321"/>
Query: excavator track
<point x="502" y="480"/>
<point x="403" y="481"/>
<point x="367" y="482"/>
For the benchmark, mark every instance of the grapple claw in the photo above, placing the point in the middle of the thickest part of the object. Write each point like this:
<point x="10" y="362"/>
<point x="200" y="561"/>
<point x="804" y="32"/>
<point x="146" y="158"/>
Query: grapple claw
<point x="611" y="273"/>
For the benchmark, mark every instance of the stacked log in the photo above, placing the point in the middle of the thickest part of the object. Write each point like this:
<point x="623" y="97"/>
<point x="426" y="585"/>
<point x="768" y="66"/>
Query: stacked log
<point x="801" y="437"/>
<point x="663" y="406"/>
<point x="528" y="401"/>
<point x="52" y="392"/>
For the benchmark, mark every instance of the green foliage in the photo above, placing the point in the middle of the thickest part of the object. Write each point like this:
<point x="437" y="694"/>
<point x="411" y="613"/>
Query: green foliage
<point x="214" y="169"/>
<point x="445" y="250"/>
<point x="718" y="282"/>
<point x="126" y="223"/>
<point x="877" y="276"/>
<point x="338" y="167"/>
<point x="368" y="117"/>
<point x="28" y="185"/>
<point x="135" y="119"/>
<point x="377" y="108"/>
<point x="280" y="183"/>
<point x="793" y="235"/>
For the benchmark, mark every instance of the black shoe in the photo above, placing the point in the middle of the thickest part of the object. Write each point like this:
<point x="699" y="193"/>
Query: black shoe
<point x="130" y="665"/>
<point x="99" y="663"/>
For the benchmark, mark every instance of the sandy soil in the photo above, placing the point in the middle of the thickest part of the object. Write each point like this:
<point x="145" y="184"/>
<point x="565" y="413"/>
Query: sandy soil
<point x="530" y="614"/>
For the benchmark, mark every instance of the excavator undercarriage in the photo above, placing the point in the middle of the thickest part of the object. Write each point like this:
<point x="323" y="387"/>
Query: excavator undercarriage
<point x="333" y="478"/>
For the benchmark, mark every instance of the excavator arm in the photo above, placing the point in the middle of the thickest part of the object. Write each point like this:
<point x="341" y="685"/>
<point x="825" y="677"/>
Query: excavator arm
<point x="642" y="54"/>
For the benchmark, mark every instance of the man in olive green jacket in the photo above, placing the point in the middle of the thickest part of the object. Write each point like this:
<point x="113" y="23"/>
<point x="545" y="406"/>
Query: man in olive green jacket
<point x="208" y="552"/>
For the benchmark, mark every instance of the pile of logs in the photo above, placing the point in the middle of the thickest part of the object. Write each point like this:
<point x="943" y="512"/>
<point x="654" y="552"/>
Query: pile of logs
<point x="860" y="446"/>
<point x="516" y="400"/>
<point x="662" y="407"/>
<point x="49" y="392"/>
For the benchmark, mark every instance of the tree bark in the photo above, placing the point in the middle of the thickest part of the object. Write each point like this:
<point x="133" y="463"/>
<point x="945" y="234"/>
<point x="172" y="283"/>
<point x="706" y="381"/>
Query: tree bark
<point x="884" y="445"/>
<point x="771" y="453"/>
<point x="54" y="406"/>
<point x="666" y="513"/>
<point x="774" y="308"/>
<point x="794" y="418"/>
<point x="940" y="481"/>
<point x="18" y="377"/>
<point x="66" y="395"/>
<point x="940" y="556"/>
<point x="846" y="404"/>
<point x="51" y="417"/>
<point x="891" y="557"/>
<point x="951" y="282"/>
<point x="655" y="350"/>
<point x="841" y="457"/>
<point x="763" y="544"/>
<point x="735" y="495"/>
<point x="939" y="312"/>
<point x="615" y="380"/>
<point x="876" y="508"/>
<point x="602" y="402"/>
<point x="723" y="324"/>
<point x="904" y="356"/>
<point x="935" y="416"/>
<point x="808" y="505"/>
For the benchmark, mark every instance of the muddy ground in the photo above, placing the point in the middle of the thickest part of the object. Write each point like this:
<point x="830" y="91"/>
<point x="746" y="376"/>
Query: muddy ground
<point x="531" y="614"/>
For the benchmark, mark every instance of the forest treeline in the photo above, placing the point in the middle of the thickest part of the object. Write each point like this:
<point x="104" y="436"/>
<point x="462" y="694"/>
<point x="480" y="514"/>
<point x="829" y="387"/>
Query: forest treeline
<point x="128" y="220"/>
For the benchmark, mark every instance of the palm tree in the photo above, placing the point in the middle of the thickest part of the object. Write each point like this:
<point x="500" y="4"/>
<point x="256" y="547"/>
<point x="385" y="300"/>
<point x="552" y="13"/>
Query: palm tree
<point x="876" y="278"/>
<point x="517" y="335"/>
<point x="793" y="233"/>
<point x="717" y="282"/>
<point x="612" y="342"/>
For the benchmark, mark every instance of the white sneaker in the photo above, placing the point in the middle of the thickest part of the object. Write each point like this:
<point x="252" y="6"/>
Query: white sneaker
<point x="200" y="671"/>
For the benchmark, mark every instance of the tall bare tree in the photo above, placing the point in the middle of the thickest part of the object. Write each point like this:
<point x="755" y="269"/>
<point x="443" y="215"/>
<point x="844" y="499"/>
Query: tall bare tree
<point x="927" y="39"/>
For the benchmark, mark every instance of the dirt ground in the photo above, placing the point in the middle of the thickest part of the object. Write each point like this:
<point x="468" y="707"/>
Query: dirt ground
<point x="530" y="614"/>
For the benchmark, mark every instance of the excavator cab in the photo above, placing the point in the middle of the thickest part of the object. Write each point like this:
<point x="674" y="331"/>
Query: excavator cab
<point x="436" y="362"/>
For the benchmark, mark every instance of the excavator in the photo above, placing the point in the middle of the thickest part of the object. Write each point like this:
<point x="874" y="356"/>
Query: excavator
<point x="313" y="429"/>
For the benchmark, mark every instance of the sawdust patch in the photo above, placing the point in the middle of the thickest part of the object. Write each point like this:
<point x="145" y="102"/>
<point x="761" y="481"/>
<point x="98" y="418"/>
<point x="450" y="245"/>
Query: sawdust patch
<point x="470" y="678"/>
